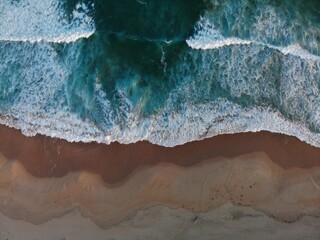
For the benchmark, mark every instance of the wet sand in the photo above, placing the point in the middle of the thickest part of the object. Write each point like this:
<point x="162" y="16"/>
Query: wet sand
<point x="47" y="157"/>
<point x="252" y="181"/>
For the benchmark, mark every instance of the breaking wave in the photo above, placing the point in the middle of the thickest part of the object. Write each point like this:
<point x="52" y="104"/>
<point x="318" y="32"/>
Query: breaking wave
<point x="244" y="67"/>
<point x="44" y="20"/>
<point x="208" y="37"/>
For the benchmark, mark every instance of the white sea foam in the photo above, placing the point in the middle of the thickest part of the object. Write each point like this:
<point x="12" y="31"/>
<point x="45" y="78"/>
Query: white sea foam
<point x="208" y="37"/>
<point x="42" y="103"/>
<point x="191" y="123"/>
<point x="41" y="106"/>
<point x="43" y="20"/>
<point x="297" y="50"/>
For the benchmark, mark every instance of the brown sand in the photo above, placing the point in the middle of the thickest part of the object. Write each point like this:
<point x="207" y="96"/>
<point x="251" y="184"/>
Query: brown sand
<point x="54" y="183"/>
<point x="248" y="180"/>
<point x="47" y="157"/>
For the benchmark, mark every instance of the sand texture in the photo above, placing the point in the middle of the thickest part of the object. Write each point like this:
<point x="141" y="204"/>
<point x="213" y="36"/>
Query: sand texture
<point x="251" y="180"/>
<point x="227" y="222"/>
<point x="212" y="189"/>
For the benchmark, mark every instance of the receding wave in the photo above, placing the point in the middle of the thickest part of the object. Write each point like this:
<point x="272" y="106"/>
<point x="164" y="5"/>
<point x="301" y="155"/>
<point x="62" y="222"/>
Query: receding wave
<point x="44" y="20"/>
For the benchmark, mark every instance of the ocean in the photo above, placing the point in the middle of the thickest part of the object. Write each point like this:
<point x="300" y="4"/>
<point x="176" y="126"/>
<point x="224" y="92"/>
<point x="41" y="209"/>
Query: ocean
<point x="168" y="72"/>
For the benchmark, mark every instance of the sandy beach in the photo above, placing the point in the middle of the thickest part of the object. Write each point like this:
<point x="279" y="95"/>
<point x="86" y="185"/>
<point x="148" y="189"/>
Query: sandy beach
<point x="142" y="190"/>
<point x="159" y="120"/>
<point x="48" y="157"/>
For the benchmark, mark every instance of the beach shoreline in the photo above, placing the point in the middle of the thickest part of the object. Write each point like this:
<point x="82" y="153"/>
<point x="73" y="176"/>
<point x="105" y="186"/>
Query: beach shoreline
<point x="49" y="157"/>
<point x="44" y="179"/>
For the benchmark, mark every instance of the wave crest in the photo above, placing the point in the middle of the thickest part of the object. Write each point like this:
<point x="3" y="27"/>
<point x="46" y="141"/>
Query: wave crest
<point x="223" y="84"/>
<point x="44" y="20"/>
<point x="208" y="37"/>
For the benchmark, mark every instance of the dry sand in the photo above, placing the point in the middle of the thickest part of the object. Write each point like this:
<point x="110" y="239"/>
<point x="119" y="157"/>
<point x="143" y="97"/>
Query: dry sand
<point x="244" y="186"/>
<point x="227" y="222"/>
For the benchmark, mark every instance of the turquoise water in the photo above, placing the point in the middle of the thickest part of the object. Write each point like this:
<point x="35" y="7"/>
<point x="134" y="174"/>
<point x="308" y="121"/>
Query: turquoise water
<point x="164" y="71"/>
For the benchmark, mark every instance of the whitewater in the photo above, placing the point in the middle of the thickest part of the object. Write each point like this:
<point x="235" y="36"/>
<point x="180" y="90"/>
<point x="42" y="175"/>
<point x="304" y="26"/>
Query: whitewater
<point x="61" y="77"/>
<point x="35" y="21"/>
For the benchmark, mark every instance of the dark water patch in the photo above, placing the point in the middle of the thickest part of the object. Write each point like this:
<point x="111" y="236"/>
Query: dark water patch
<point x="135" y="45"/>
<point x="138" y="70"/>
<point x="150" y="19"/>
